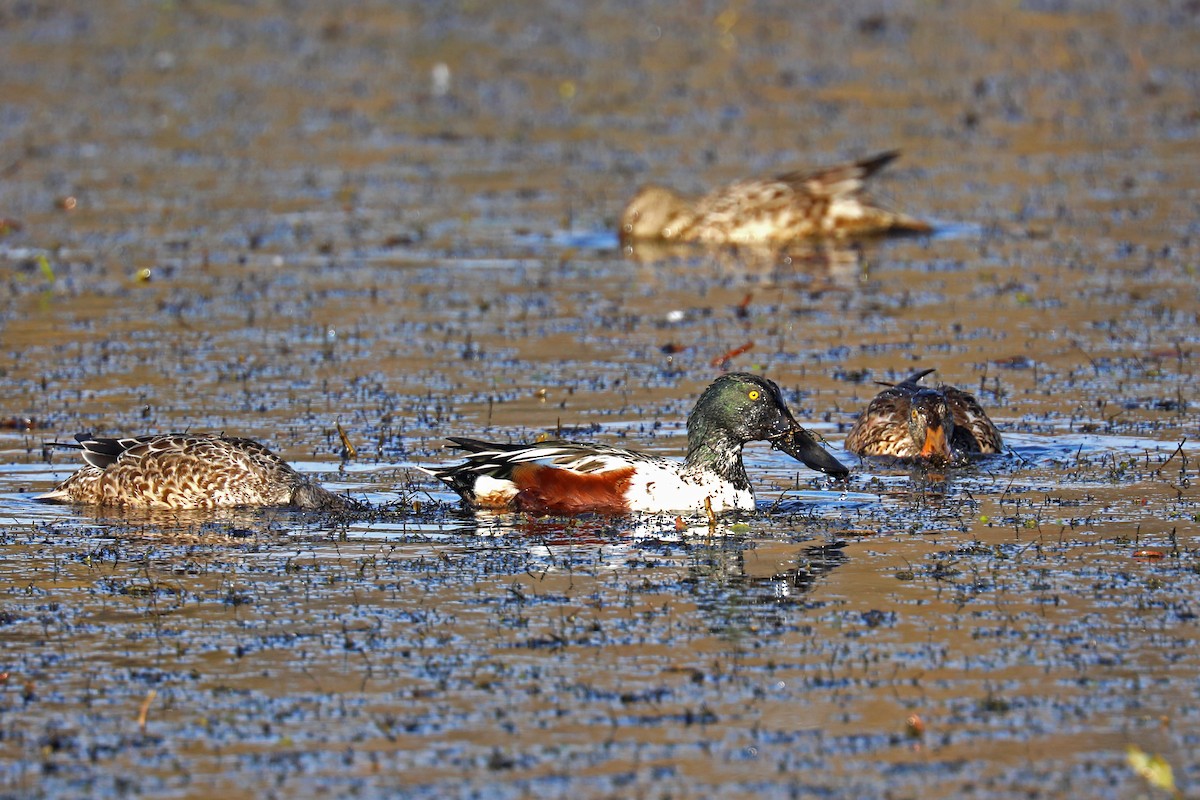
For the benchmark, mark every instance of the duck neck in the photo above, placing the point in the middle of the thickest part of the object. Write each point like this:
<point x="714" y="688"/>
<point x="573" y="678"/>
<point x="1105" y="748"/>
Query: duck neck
<point x="712" y="449"/>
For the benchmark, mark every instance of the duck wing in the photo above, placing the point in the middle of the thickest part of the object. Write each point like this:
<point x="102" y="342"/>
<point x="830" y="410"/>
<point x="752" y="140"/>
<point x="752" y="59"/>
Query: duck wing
<point x="102" y="453"/>
<point x="883" y="427"/>
<point x="842" y="180"/>
<point x="497" y="460"/>
<point x="546" y="477"/>
<point x="974" y="432"/>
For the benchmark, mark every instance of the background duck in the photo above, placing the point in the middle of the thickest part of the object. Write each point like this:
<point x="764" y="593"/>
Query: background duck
<point x="795" y="205"/>
<point x="557" y="477"/>
<point x="908" y="420"/>
<point x="184" y="471"/>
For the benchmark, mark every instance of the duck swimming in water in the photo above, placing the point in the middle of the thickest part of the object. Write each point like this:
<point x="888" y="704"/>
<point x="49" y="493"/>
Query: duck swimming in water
<point x="186" y="471"/>
<point x="910" y="421"/>
<point x="796" y="205"/>
<point x="557" y="477"/>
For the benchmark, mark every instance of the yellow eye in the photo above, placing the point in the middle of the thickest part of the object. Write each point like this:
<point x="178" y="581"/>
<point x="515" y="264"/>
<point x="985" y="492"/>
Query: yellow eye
<point x="753" y="395"/>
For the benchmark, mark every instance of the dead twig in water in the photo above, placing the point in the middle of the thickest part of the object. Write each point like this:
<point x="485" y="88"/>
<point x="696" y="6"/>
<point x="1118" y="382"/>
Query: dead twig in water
<point x="1095" y="367"/>
<point x="1004" y="494"/>
<point x="144" y="710"/>
<point x="1178" y="451"/>
<point x="349" y="452"/>
<point x="779" y="500"/>
<point x="723" y="360"/>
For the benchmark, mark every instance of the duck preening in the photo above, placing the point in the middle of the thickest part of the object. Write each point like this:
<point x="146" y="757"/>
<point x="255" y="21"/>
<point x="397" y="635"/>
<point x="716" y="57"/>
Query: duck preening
<point x="940" y="424"/>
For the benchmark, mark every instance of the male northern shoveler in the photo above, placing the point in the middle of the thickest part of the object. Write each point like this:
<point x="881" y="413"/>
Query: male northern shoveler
<point x="907" y="420"/>
<point x="181" y="471"/>
<point x="796" y="205"/>
<point x="557" y="477"/>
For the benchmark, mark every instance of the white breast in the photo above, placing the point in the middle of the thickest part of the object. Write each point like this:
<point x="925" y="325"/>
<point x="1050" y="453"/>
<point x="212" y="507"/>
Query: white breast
<point x="663" y="488"/>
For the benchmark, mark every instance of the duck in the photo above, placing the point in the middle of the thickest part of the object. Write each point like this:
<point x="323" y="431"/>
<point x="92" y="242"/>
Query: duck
<point x="796" y="205"/>
<point x="565" y="478"/>
<point x="186" y="471"/>
<point x="937" y="424"/>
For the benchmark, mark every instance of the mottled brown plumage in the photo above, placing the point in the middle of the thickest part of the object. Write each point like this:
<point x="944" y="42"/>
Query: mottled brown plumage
<point x="907" y="420"/>
<point x="182" y="471"/>
<point x="796" y="205"/>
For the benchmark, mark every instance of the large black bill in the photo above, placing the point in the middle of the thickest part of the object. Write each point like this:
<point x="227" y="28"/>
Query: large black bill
<point x="800" y="444"/>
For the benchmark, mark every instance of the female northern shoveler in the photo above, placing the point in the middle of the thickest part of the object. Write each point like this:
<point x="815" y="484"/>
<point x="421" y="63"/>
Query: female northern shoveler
<point x="776" y="210"/>
<point x="911" y="421"/>
<point x="180" y="471"/>
<point x="558" y="477"/>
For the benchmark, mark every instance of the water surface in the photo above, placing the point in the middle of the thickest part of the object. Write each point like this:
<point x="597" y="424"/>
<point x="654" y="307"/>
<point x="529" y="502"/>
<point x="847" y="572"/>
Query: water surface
<point x="400" y="220"/>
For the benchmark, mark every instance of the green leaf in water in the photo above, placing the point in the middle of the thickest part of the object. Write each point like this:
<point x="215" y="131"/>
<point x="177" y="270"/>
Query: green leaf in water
<point x="1153" y="768"/>
<point x="44" y="266"/>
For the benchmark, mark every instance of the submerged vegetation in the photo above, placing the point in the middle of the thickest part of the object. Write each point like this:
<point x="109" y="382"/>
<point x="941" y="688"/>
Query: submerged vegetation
<point x="351" y="235"/>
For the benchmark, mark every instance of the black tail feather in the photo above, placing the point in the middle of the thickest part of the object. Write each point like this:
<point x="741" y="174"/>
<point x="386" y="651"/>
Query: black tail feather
<point x="480" y="446"/>
<point x="916" y="376"/>
<point x="873" y="164"/>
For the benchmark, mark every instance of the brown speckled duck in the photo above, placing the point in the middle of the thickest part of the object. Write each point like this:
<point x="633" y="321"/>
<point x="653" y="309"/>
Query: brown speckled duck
<point x="911" y="421"/>
<point x="796" y="205"/>
<point x="187" y="471"/>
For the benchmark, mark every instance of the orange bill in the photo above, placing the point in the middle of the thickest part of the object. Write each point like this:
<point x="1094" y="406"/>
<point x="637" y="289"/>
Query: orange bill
<point x="936" y="446"/>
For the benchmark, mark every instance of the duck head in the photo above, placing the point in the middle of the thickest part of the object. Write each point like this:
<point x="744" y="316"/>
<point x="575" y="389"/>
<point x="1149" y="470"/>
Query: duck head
<point x="931" y="426"/>
<point x="655" y="212"/>
<point x="741" y="408"/>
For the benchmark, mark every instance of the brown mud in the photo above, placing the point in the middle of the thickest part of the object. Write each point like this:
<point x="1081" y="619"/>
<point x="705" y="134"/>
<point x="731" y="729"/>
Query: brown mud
<point x="271" y="220"/>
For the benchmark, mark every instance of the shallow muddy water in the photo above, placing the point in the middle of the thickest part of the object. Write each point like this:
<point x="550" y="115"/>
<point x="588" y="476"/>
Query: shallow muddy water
<point x="274" y="220"/>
